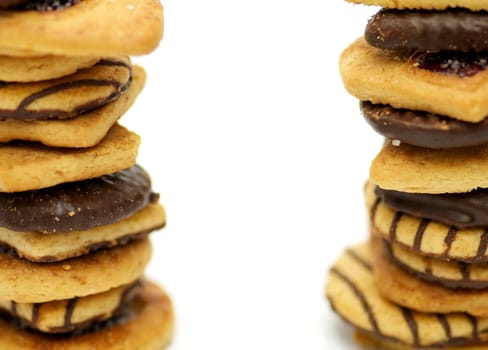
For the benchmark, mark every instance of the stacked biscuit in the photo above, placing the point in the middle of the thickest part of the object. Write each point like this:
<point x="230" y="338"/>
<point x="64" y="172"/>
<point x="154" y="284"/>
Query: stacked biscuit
<point x="422" y="279"/>
<point x="75" y="208"/>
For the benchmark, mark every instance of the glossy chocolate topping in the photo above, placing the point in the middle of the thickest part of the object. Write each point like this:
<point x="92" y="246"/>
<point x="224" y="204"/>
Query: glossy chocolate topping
<point x="460" y="64"/>
<point x="46" y="5"/>
<point x="78" y="205"/>
<point x="451" y="29"/>
<point x="423" y="129"/>
<point x="12" y="3"/>
<point x="461" y="210"/>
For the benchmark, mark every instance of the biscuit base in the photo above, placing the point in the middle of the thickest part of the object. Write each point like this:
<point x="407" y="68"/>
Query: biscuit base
<point x="150" y="328"/>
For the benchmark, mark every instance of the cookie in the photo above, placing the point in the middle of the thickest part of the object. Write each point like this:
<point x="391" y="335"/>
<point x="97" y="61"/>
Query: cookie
<point x="38" y="68"/>
<point x="90" y="28"/>
<point x="407" y="168"/>
<point x="402" y="80"/>
<point x="474" y="5"/>
<point x="64" y="316"/>
<point x="25" y="282"/>
<point x="85" y="130"/>
<point x="427" y="237"/>
<point x="353" y="294"/>
<point x="405" y="289"/>
<point x="80" y="205"/>
<point x="39" y="247"/>
<point x="49" y="166"/>
<point x="452" y="273"/>
<point x="423" y="129"/>
<point x="451" y="29"/>
<point x="147" y="324"/>
<point x="69" y="96"/>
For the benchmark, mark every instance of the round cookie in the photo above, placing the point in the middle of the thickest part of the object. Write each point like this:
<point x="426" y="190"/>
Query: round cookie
<point x="413" y="169"/>
<point x="402" y="288"/>
<point x="393" y="78"/>
<point x="68" y="96"/>
<point x="149" y="327"/>
<point x="38" y="68"/>
<point x="85" y="130"/>
<point x="91" y="28"/>
<point x="452" y="274"/>
<point x="353" y="294"/>
<point x="474" y="5"/>
<point x="425" y="236"/>
<point x="39" y="247"/>
<point x="65" y="316"/>
<point x="26" y="282"/>
<point x="49" y="166"/>
<point x="449" y="30"/>
<point x="423" y="129"/>
<point x="80" y="205"/>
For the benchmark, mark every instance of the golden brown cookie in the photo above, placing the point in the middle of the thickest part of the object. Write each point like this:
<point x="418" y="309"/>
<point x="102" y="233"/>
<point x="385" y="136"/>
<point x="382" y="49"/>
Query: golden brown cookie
<point x="450" y="273"/>
<point x="408" y="168"/>
<point x="25" y="282"/>
<point x="149" y="327"/>
<point x="90" y="28"/>
<point x="49" y="166"/>
<point x="353" y="294"/>
<point x="427" y="237"/>
<point x="68" y="96"/>
<point x="388" y="77"/>
<point x="85" y="130"/>
<point x="475" y="5"/>
<point x="64" y="316"/>
<point x="405" y="289"/>
<point x="37" y="68"/>
<point x="40" y="247"/>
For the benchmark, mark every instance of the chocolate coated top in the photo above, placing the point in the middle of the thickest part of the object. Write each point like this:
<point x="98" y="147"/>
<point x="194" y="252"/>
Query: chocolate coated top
<point x="461" y="210"/>
<point x="44" y="5"/>
<point x="423" y="129"/>
<point x="451" y="29"/>
<point x="12" y="3"/>
<point x="79" y="205"/>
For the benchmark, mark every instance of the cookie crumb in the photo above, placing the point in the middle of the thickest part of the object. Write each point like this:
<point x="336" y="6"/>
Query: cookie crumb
<point x="396" y="143"/>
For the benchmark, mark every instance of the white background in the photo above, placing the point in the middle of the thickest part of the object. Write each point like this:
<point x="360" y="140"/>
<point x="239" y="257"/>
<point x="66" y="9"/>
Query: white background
<point x="260" y="156"/>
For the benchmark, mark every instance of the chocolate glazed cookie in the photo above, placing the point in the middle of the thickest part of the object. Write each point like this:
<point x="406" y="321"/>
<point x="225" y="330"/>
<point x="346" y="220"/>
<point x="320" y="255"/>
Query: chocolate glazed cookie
<point x="451" y="29"/>
<point x="423" y="129"/>
<point x="78" y="205"/>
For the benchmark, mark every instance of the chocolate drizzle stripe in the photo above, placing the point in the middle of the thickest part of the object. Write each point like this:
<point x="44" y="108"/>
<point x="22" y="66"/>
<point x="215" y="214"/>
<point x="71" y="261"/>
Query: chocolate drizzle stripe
<point x="394" y="224"/>
<point x="412" y="324"/>
<point x="13" y="308"/>
<point x="420" y="234"/>
<point x="35" y="313"/>
<point x="445" y="325"/>
<point x="483" y="245"/>
<point x="451" y="235"/>
<point x="359" y="260"/>
<point x="361" y="297"/>
<point x="374" y="208"/>
<point x="464" y="270"/>
<point x="474" y="324"/>
<point x="68" y="314"/>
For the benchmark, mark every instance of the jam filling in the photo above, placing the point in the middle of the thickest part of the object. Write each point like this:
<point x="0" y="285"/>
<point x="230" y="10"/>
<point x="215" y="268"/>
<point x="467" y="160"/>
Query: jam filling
<point x="461" y="64"/>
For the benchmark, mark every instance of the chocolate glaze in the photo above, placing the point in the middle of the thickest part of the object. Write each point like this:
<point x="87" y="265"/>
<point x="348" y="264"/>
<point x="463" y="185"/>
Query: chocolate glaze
<point x="11" y="3"/>
<point x="375" y="331"/>
<point x="48" y="5"/>
<point x="457" y="209"/>
<point x="22" y="112"/>
<point x="450" y="29"/>
<point x="423" y="129"/>
<point x="78" y="206"/>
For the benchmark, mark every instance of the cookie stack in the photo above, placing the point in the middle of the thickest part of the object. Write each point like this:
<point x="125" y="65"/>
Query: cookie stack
<point x="75" y="207"/>
<point x="421" y="281"/>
